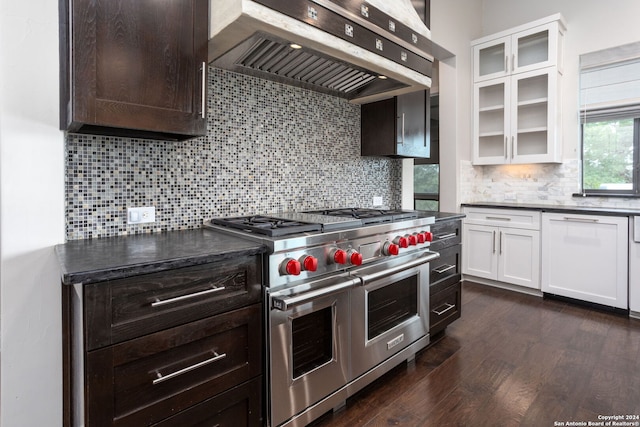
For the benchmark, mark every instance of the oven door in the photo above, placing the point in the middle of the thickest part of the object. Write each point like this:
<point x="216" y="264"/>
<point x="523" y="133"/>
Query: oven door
<point x="309" y="344"/>
<point x="390" y="310"/>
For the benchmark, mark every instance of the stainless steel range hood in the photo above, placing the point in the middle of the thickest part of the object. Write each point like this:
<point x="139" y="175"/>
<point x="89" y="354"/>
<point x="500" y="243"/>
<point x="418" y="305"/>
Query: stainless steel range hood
<point x="363" y="51"/>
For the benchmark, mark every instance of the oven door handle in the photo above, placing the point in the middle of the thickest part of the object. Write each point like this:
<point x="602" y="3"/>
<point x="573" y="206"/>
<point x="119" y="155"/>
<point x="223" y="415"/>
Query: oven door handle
<point x="284" y="304"/>
<point x="428" y="256"/>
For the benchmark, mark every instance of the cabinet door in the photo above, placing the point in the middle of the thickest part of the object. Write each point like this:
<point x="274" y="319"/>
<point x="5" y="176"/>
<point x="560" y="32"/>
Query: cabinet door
<point x="137" y="65"/>
<point x="585" y="257"/>
<point x="491" y="59"/>
<point x="479" y="251"/>
<point x="533" y="134"/>
<point x="491" y="122"/>
<point x="534" y="48"/>
<point x="519" y="257"/>
<point x="412" y="137"/>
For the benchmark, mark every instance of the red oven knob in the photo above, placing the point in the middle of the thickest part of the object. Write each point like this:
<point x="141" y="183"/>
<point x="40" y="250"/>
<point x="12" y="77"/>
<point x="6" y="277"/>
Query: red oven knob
<point x="413" y="239"/>
<point x="290" y="267"/>
<point x="421" y="238"/>
<point x="390" y="249"/>
<point x="401" y="241"/>
<point x="339" y="256"/>
<point x="428" y="236"/>
<point x="309" y="263"/>
<point x="355" y="257"/>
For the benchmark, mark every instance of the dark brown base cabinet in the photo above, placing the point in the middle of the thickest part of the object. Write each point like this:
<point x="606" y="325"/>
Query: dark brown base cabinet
<point x="445" y="289"/>
<point x="134" y="68"/>
<point x="181" y="348"/>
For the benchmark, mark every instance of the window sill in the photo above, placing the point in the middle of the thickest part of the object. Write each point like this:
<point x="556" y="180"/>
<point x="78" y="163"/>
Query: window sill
<point x="612" y="195"/>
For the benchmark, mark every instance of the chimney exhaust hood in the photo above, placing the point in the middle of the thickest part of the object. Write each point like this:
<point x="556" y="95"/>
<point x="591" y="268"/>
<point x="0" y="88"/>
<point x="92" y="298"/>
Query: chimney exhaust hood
<point x="363" y="50"/>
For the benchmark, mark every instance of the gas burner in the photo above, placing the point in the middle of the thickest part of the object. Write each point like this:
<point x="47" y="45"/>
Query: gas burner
<point x="267" y="225"/>
<point x="368" y="216"/>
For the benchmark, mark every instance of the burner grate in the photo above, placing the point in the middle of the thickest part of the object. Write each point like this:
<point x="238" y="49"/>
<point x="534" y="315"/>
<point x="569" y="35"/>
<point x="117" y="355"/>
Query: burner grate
<point x="369" y="216"/>
<point x="267" y="225"/>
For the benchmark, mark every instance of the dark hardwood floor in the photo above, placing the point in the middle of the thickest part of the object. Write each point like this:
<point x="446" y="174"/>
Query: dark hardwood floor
<point x="510" y="360"/>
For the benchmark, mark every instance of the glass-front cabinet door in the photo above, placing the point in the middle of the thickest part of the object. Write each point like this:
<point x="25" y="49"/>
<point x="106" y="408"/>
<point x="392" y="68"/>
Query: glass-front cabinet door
<point x="520" y="52"/>
<point x="491" y="121"/>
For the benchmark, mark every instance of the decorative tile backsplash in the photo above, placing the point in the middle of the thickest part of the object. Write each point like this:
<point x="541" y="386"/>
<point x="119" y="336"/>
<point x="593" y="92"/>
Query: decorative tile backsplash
<point x="540" y="184"/>
<point x="269" y="148"/>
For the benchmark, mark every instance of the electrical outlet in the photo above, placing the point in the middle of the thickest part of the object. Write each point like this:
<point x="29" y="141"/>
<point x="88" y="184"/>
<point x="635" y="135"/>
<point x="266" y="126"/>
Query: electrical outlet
<point x="141" y="215"/>
<point x="377" y="201"/>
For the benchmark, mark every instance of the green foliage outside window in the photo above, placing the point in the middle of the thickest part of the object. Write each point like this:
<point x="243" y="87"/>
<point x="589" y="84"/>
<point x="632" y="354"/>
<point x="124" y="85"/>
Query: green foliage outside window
<point x="608" y="155"/>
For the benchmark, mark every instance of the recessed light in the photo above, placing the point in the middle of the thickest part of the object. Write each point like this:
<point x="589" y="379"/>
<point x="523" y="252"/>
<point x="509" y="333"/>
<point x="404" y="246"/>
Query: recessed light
<point x="382" y="77"/>
<point x="295" y="46"/>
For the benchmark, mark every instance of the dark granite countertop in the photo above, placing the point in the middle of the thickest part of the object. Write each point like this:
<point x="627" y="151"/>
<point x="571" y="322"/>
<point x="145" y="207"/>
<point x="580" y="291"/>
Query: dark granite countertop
<point x="442" y="216"/>
<point x="560" y="209"/>
<point x="96" y="260"/>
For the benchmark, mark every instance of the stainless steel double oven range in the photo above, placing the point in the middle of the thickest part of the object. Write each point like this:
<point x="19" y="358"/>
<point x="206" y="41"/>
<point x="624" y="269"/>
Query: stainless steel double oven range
<point x="347" y="299"/>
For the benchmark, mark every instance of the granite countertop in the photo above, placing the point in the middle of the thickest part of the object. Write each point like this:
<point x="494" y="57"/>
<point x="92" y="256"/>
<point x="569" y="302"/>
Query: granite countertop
<point x="561" y="209"/>
<point x="96" y="260"/>
<point x="442" y="216"/>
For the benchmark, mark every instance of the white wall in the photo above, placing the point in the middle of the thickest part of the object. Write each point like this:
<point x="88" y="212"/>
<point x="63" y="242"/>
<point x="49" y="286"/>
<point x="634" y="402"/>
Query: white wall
<point x="31" y="215"/>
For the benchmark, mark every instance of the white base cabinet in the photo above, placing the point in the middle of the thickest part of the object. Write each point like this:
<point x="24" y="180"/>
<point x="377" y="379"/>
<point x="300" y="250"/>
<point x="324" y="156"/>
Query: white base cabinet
<point x="586" y="257"/>
<point x="634" y="266"/>
<point x="502" y="245"/>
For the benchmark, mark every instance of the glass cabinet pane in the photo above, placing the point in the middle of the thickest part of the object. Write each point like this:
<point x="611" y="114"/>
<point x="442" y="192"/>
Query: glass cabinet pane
<point x="533" y="49"/>
<point x="492" y="59"/>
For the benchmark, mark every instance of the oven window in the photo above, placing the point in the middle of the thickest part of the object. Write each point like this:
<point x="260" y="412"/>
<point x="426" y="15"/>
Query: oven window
<point x="391" y="305"/>
<point x="312" y="337"/>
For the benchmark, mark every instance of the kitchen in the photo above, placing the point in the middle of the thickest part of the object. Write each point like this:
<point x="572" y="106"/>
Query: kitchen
<point x="33" y="165"/>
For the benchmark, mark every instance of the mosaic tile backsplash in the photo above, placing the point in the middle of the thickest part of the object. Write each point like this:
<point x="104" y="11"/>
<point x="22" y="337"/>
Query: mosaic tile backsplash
<point x="269" y="148"/>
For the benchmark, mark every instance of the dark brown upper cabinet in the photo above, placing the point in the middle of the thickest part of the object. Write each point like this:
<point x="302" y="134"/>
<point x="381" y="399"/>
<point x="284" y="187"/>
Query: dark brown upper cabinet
<point x="134" y="68"/>
<point x="397" y="127"/>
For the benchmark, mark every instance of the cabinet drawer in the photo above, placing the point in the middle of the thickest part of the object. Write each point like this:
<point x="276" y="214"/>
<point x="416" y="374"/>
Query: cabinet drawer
<point x="520" y="218"/>
<point x="446" y="307"/>
<point x="145" y="380"/>
<point x="446" y="234"/>
<point x="446" y="266"/>
<point x="122" y="309"/>
<point x="238" y="407"/>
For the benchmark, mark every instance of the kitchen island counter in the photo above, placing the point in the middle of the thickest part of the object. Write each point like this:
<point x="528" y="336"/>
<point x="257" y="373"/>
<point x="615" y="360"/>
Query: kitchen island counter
<point x="96" y="260"/>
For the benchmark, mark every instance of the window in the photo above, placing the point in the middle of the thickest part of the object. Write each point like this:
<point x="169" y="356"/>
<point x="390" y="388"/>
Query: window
<point x="610" y="121"/>
<point x="426" y="172"/>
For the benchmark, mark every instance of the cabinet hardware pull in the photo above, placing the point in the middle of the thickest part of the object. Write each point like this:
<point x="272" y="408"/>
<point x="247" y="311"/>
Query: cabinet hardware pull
<point x="500" y="241"/>
<point x="512" y="146"/>
<point x="162" y="378"/>
<point x="506" y="141"/>
<point x="506" y="63"/>
<point x="183" y="297"/>
<point x="204" y="90"/>
<point x="444" y="268"/>
<point x="497" y="218"/>
<point x="513" y="62"/>
<point x="494" y="242"/>
<point x="568" y="218"/>
<point x="402" y="130"/>
<point x="446" y="236"/>
<point x="440" y="313"/>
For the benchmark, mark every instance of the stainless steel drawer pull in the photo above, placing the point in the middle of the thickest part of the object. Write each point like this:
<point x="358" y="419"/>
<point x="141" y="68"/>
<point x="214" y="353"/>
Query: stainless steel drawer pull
<point x="444" y="268"/>
<point x="440" y="313"/>
<point x="497" y="218"/>
<point x="446" y="236"/>
<point x="569" y="218"/>
<point x="162" y="378"/>
<point x="183" y="297"/>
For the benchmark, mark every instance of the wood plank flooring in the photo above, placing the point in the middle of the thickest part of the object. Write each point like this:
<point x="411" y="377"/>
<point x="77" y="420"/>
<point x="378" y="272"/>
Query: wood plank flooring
<point x="510" y="360"/>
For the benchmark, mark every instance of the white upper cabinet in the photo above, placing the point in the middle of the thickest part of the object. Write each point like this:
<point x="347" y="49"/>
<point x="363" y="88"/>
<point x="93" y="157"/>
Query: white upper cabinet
<point x="525" y="48"/>
<point x="516" y="99"/>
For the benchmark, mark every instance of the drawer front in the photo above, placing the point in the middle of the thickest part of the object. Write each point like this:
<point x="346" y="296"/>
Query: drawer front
<point x="119" y="310"/>
<point x="446" y="234"/>
<point x="145" y="380"/>
<point x="448" y="265"/>
<point x="517" y="218"/>
<point x="446" y="307"/>
<point x="238" y="407"/>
